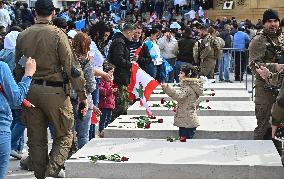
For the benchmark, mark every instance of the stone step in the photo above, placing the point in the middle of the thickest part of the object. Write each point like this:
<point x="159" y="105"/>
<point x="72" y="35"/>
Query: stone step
<point x="211" y="127"/>
<point x="218" y="108"/>
<point x="218" y="86"/>
<point x="220" y="95"/>
<point x="158" y="158"/>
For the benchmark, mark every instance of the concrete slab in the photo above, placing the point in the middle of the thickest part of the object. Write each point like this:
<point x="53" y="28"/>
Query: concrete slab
<point x="158" y="158"/>
<point x="211" y="127"/>
<point x="220" y="95"/>
<point x="218" y="108"/>
<point x="219" y="86"/>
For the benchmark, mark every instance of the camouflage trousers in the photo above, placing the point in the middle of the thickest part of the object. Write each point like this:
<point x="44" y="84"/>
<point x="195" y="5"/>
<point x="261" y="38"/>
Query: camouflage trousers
<point x="207" y="68"/>
<point x="263" y="104"/>
<point x="52" y="106"/>
<point x="121" y="103"/>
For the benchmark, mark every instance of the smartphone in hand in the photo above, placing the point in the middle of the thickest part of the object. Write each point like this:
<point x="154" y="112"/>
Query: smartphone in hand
<point x="81" y="107"/>
<point x="23" y="61"/>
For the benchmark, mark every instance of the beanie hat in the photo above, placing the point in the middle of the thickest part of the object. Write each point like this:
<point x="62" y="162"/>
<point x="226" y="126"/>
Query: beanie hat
<point x="270" y="14"/>
<point x="44" y="6"/>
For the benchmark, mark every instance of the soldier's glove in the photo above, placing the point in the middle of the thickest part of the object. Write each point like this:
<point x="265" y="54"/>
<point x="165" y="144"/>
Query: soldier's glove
<point x="280" y="102"/>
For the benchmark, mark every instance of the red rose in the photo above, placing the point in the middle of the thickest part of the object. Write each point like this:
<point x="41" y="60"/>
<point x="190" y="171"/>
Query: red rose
<point x="208" y="107"/>
<point x="123" y="159"/>
<point x="207" y="100"/>
<point x="147" y="126"/>
<point x="182" y="139"/>
<point x="163" y="101"/>
<point x="160" y="120"/>
<point x="213" y="94"/>
<point x="174" y="109"/>
<point x="152" y="117"/>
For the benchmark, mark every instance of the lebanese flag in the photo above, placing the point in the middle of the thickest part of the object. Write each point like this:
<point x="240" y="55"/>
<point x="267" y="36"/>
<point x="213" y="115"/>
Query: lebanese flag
<point x="137" y="52"/>
<point x="141" y="82"/>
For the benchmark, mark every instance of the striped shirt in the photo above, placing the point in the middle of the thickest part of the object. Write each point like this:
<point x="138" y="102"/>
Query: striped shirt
<point x="134" y="45"/>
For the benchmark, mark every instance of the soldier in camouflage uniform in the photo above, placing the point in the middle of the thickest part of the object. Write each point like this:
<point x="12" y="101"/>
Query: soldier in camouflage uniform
<point x="207" y="51"/>
<point x="277" y="112"/>
<point x="50" y="47"/>
<point x="263" y="52"/>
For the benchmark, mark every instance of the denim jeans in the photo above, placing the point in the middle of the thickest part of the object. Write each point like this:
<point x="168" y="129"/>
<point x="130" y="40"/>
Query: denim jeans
<point x="151" y="69"/>
<point x="224" y="66"/>
<point x="82" y="128"/>
<point x="96" y="100"/>
<point x="178" y="65"/>
<point x="17" y="131"/>
<point x="5" y="149"/>
<point x="96" y="93"/>
<point x="171" y="75"/>
<point x="187" y="132"/>
<point x="105" y="118"/>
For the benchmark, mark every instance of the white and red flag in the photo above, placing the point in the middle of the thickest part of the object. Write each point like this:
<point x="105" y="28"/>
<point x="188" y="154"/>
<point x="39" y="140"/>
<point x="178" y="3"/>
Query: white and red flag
<point x="141" y="86"/>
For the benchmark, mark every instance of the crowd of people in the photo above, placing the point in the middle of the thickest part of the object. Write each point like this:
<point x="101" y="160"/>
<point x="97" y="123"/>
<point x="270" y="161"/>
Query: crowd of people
<point x="84" y="72"/>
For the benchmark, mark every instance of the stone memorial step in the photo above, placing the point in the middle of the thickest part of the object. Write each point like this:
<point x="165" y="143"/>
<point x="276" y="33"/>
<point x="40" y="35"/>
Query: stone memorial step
<point x="216" y="95"/>
<point x="217" y="86"/>
<point x="218" y="108"/>
<point x="158" y="158"/>
<point x="211" y="127"/>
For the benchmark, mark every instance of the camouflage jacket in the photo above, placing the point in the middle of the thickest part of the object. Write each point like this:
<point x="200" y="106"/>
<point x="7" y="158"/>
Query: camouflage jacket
<point x="264" y="50"/>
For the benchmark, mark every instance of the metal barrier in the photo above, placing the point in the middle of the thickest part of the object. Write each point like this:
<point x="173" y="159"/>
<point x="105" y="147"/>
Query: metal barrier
<point x="242" y="55"/>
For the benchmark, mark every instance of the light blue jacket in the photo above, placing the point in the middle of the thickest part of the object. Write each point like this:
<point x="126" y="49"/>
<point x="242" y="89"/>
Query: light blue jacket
<point x="12" y="94"/>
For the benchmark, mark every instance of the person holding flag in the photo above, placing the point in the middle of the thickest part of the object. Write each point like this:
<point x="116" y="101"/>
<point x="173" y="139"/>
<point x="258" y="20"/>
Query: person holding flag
<point x="191" y="89"/>
<point x="150" y="58"/>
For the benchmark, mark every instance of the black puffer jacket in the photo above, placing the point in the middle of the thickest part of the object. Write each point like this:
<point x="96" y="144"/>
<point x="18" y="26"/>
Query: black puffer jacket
<point x="119" y="55"/>
<point x="185" y="46"/>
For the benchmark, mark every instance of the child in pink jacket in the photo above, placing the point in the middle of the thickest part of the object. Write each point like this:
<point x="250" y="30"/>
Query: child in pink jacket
<point x="107" y="99"/>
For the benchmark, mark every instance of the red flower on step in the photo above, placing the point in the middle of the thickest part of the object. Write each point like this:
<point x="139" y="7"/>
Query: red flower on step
<point x="152" y="117"/>
<point x="123" y="159"/>
<point x="174" y="109"/>
<point x="147" y="126"/>
<point x="182" y="139"/>
<point x="213" y="94"/>
<point x="207" y="100"/>
<point x="208" y="107"/>
<point x="163" y="101"/>
<point x="160" y="120"/>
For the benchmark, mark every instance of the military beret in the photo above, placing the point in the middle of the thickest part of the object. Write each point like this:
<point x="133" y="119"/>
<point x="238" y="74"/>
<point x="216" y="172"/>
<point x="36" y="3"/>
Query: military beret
<point x="46" y="5"/>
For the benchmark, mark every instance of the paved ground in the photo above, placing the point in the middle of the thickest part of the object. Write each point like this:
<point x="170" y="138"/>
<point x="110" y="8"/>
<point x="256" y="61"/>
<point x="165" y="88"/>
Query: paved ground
<point x="14" y="171"/>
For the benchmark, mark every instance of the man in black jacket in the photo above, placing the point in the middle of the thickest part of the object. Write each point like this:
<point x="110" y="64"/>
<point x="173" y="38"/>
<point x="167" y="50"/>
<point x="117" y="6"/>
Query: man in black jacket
<point x="119" y="55"/>
<point x="185" y="54"/>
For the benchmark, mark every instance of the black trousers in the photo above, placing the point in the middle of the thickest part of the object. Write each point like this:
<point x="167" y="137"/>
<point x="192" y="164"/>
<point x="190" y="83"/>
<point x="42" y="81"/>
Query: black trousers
<point x="240" y="64"/>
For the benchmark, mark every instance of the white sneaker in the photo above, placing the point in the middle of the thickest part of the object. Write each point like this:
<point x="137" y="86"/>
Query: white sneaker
<point x="16" y="155"/>
<point x="61" y="174"/>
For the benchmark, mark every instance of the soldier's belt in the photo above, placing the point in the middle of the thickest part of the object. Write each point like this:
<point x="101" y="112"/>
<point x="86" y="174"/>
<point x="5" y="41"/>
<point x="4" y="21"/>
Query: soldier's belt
<point x="48" y="83"/>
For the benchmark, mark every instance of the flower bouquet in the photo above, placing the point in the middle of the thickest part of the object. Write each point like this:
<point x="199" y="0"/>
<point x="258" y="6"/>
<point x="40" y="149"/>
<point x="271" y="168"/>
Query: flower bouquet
<point x="114" y="157"/>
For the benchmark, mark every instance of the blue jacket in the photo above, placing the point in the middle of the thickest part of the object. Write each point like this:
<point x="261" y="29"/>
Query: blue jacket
<point x="240" y="40"/>
<point x="12" y="94"/>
